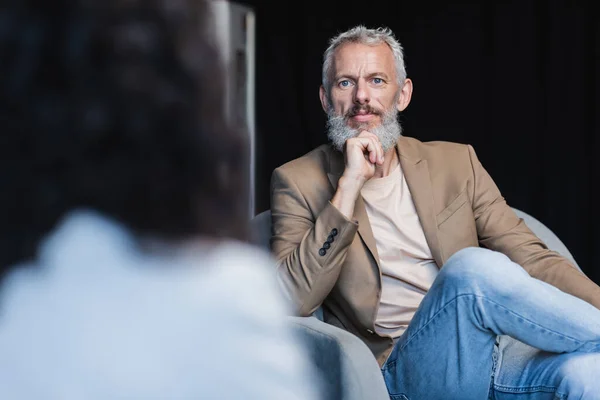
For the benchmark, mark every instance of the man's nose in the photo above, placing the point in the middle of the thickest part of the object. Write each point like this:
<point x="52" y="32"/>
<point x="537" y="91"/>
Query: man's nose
<point x="361" y="94"/>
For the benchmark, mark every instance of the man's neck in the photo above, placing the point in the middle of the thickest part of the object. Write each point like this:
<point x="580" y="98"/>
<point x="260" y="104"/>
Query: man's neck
<point x="389" y="164"/>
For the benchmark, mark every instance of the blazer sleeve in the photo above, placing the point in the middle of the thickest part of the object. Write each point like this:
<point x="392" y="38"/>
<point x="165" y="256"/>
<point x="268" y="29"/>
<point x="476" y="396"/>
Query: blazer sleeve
<point x="500" y="229"/>
<point x="310" y="249"/>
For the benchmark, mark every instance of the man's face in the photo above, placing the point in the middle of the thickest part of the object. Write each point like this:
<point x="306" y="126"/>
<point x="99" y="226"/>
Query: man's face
<point x="364" y="84"/>
<point x="364" y="94"/>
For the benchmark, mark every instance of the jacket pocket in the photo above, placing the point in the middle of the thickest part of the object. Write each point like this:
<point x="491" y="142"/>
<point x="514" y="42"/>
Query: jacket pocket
<point x="456" y="226"/>
<point x="453" y="207"/>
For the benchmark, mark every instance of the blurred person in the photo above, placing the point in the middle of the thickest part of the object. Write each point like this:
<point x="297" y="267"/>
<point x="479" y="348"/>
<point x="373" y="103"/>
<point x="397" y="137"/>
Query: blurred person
<point x="123" y="257"/>
<point x="411" y="247"/>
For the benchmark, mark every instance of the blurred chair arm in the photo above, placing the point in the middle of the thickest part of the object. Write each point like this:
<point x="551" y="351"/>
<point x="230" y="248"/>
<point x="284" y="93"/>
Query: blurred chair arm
<point x="346" y="365"/>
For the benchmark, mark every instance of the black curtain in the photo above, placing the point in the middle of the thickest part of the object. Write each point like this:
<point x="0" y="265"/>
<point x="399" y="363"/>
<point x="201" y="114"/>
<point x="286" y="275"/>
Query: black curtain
<point x="517" y="80"/>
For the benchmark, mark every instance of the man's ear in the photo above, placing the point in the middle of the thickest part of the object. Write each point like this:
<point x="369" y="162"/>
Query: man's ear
<point x="324" y="99"/>
<point x="405" y="95"/>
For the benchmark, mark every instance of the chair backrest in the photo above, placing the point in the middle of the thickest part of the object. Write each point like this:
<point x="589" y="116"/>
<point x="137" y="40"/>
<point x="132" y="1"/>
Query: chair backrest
<point x="261" y="231"/>
<point x="546" y="235"/>
<point x="260" y="228"/>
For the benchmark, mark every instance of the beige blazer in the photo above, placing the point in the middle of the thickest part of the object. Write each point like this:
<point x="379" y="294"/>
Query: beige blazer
<point x="326" y="259"/>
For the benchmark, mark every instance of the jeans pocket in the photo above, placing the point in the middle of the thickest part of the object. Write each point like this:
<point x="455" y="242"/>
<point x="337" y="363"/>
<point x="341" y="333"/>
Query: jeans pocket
<point x="398" y="397"/>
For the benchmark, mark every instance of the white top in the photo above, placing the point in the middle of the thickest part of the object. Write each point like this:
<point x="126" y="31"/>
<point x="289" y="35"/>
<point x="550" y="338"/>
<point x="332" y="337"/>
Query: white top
<point x="407" y="265"/>
<point x="93" y="317"/>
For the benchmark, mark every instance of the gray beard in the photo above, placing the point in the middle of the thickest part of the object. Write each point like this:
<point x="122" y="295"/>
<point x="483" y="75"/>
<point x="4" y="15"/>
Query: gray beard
<point x="388" y="132"/>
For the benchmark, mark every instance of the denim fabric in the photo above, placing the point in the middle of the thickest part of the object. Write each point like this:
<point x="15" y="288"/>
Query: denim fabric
<point x="487" y="330"/>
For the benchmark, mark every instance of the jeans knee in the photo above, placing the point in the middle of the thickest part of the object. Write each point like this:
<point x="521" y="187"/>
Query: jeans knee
<point x="579" y="376"/>
<point x="479" y="267"/>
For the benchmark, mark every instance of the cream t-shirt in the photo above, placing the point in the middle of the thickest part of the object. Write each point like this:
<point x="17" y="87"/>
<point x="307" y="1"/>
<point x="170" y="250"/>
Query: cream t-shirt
<point x="407" y="265"/>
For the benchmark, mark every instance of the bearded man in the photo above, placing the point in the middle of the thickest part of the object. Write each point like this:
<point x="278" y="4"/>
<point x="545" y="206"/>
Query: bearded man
<point x="411" y="247"/>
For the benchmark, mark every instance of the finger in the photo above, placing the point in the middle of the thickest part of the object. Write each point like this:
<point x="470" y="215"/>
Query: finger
<point x="369" y="148"/>
<point x="378" y="149"/>
<point x="380" y="153"/>
<point x="366" y="134"/>
<point x="374" y="152"/>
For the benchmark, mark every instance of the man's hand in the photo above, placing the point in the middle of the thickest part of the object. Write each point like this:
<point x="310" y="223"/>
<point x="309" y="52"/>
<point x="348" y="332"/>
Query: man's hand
<point x="361" y="155"/>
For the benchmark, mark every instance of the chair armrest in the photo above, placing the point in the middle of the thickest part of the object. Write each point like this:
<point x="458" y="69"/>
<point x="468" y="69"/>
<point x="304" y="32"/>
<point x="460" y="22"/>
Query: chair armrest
<point x="546" y="235"/>
<point x="347" y="366"/>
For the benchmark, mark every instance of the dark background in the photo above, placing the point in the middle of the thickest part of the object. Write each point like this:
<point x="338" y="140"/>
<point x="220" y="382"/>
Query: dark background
<point x="517" y="80"/>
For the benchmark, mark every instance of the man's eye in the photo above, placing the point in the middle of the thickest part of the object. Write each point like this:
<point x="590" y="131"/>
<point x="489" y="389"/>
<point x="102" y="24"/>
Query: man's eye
<point x="345" y="83"/>
<point x="377" y="81"/>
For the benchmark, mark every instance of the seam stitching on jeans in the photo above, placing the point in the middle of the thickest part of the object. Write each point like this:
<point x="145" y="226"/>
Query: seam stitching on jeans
<point x="537" y="388"/>
<point x="489" y="301"/>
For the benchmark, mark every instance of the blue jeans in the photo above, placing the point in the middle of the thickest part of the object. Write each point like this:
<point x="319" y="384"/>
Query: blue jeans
<point x="487" y="330"/>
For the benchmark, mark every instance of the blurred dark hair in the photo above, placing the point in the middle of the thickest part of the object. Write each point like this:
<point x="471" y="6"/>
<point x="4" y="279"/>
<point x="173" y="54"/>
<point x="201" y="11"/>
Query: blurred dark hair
<point x="115" y="106"/>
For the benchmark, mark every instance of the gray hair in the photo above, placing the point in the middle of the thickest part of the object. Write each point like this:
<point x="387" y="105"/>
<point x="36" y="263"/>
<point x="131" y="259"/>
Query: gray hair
<point x="370" y="37"/>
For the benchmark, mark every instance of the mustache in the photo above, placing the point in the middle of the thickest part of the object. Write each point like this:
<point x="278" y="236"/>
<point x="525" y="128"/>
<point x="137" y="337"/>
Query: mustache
<point x="363" y="108"/>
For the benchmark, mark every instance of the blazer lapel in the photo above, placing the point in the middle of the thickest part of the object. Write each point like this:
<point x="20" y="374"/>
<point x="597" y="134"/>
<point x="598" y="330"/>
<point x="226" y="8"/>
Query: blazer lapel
<point x="360" y="211"/>
<point x="364" y="227"/>
<point x="416" y="173"/>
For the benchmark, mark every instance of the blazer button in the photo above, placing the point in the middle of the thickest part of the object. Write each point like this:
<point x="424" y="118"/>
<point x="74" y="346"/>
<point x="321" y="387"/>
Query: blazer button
<point x="326" y="245"/>
<point x="322" y="252"/>
<point x="334" y="232"/>
<point x="330" y="239"/>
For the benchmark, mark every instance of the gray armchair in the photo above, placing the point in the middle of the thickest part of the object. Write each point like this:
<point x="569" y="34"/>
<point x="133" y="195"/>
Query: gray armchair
<point x="348" y="368"/>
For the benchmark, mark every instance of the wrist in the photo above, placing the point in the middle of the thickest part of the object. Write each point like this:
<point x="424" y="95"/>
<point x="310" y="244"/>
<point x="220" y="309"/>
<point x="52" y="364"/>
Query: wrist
<point x="346" y="194"/>
<point x="350" y="184"/>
